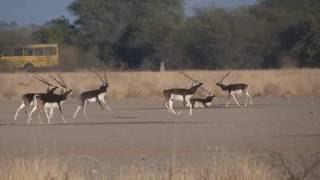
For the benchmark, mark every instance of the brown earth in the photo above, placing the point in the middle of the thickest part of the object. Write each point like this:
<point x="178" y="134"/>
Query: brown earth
<point x="142" y="130"/>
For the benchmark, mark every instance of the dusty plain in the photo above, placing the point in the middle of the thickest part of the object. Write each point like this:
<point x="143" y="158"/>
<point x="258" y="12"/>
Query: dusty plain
<point x="141" y="130"/>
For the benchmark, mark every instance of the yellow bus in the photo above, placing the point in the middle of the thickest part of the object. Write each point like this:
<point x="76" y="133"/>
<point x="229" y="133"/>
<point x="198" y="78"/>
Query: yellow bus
<point x="31" y="56"/>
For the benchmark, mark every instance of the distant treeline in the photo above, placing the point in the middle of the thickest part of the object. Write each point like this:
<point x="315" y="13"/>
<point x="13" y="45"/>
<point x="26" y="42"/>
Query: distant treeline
<point x="124" y="34"/>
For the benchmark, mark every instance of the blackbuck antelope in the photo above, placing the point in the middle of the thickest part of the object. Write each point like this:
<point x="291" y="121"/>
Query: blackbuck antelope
<point x="202" y="102"/>
<point x="27" y="99"/>
<point x="92" y="96"/>
<point x="182" y="95"/>
<point x="234" y="89"/>
<point x="51" y="101"/>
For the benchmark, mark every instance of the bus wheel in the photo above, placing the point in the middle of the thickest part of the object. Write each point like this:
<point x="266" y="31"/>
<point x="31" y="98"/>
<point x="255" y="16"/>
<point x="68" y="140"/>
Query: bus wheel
<point x="28" y="67"/>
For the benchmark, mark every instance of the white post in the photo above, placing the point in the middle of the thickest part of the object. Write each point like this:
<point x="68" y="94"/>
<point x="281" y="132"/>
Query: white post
<point x="162" y="67"/>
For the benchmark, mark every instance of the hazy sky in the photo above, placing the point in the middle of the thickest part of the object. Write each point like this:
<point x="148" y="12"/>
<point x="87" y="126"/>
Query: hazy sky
<point x="40" y="11"/>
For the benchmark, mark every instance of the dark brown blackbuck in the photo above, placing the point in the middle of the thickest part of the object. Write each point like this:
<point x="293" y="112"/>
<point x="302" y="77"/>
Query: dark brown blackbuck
<point x="200" y="102"/>
<point x="234" y="89"/>
<point x="51" y="101"/>
<point x="27" y="99"/>
<point x="94" y="96"/>
<point x="182" y="95"/>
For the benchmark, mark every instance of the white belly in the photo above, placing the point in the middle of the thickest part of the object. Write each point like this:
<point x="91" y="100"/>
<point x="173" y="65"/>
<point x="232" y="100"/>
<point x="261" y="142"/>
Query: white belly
<point x="92" y="100"/>
<point x="100" y="96"/>
<point x="177" y="97"/>
<point x="236" y="92"/>
<point x="50" y="105"/>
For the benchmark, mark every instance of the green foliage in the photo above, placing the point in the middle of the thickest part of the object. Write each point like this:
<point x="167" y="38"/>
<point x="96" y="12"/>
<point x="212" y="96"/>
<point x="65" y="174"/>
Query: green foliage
<point x="295" y="31"/>
<point x="307" y="49"/>
<point x="9" y="37"/>
<point x="216" y="38"/>
<point x="56" y="31"/>
<point x="126" y="32"/>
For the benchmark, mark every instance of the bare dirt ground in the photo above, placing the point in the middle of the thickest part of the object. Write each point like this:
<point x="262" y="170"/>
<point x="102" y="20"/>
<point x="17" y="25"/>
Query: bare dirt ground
<point x="142" y="130"/>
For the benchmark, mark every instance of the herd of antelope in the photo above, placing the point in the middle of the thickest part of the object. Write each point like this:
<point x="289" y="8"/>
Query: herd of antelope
<point x="49" y="100"/>
<point x="186" y="95"/>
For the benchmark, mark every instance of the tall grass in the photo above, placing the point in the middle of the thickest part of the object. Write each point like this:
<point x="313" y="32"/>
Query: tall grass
<point x="218" y="168"/>
<point x="291" y="82"/>
<point x="36" y="168"/>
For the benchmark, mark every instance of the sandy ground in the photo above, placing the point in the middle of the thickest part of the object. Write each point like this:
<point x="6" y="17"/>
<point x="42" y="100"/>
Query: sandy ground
<point x="142" y="130"/>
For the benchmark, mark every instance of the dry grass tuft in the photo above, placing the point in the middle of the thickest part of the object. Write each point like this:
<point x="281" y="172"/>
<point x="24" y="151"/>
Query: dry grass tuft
<point x="36" y="168"/>
<point x="294" y="82"/>
<point x="219" y="168"/>
<point x="78" y="168"/>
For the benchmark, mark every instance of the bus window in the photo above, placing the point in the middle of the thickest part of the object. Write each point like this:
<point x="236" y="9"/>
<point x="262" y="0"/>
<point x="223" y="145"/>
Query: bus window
<point x="38" y="51"/>
<point x="17" y="51"/>
<point x="50" y="51"/>
<point x="27" y="51"/>
<point x="7" y="52"/>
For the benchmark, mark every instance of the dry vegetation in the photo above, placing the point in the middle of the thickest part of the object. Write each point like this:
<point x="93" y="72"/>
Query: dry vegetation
<point x="291" y="82"/>
<point x="233" y="167"/>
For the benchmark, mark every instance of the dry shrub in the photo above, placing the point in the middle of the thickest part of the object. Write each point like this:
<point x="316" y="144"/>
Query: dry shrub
<point x="289" y="82"/>
<point x="270" y="89"/>
<point x="8" y="88"/>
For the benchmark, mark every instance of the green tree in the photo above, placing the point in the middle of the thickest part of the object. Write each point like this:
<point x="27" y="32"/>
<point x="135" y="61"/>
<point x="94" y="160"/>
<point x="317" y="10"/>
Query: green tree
<point x="307" y="49"/>
<point x="126" y="32"/>
<point x="14" y="36"/>
<point x="216" y="38"/>
<point x="56" y="31"/>
<point x="293" y="25"/>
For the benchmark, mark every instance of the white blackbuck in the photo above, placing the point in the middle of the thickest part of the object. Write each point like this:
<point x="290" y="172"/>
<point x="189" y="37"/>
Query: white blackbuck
<point x="51" y="101"/>
<point x="94" y="96"/>
<point x="234" y="89"/>
<point x="180" y="94"/>
<point x="27" y="99"/>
